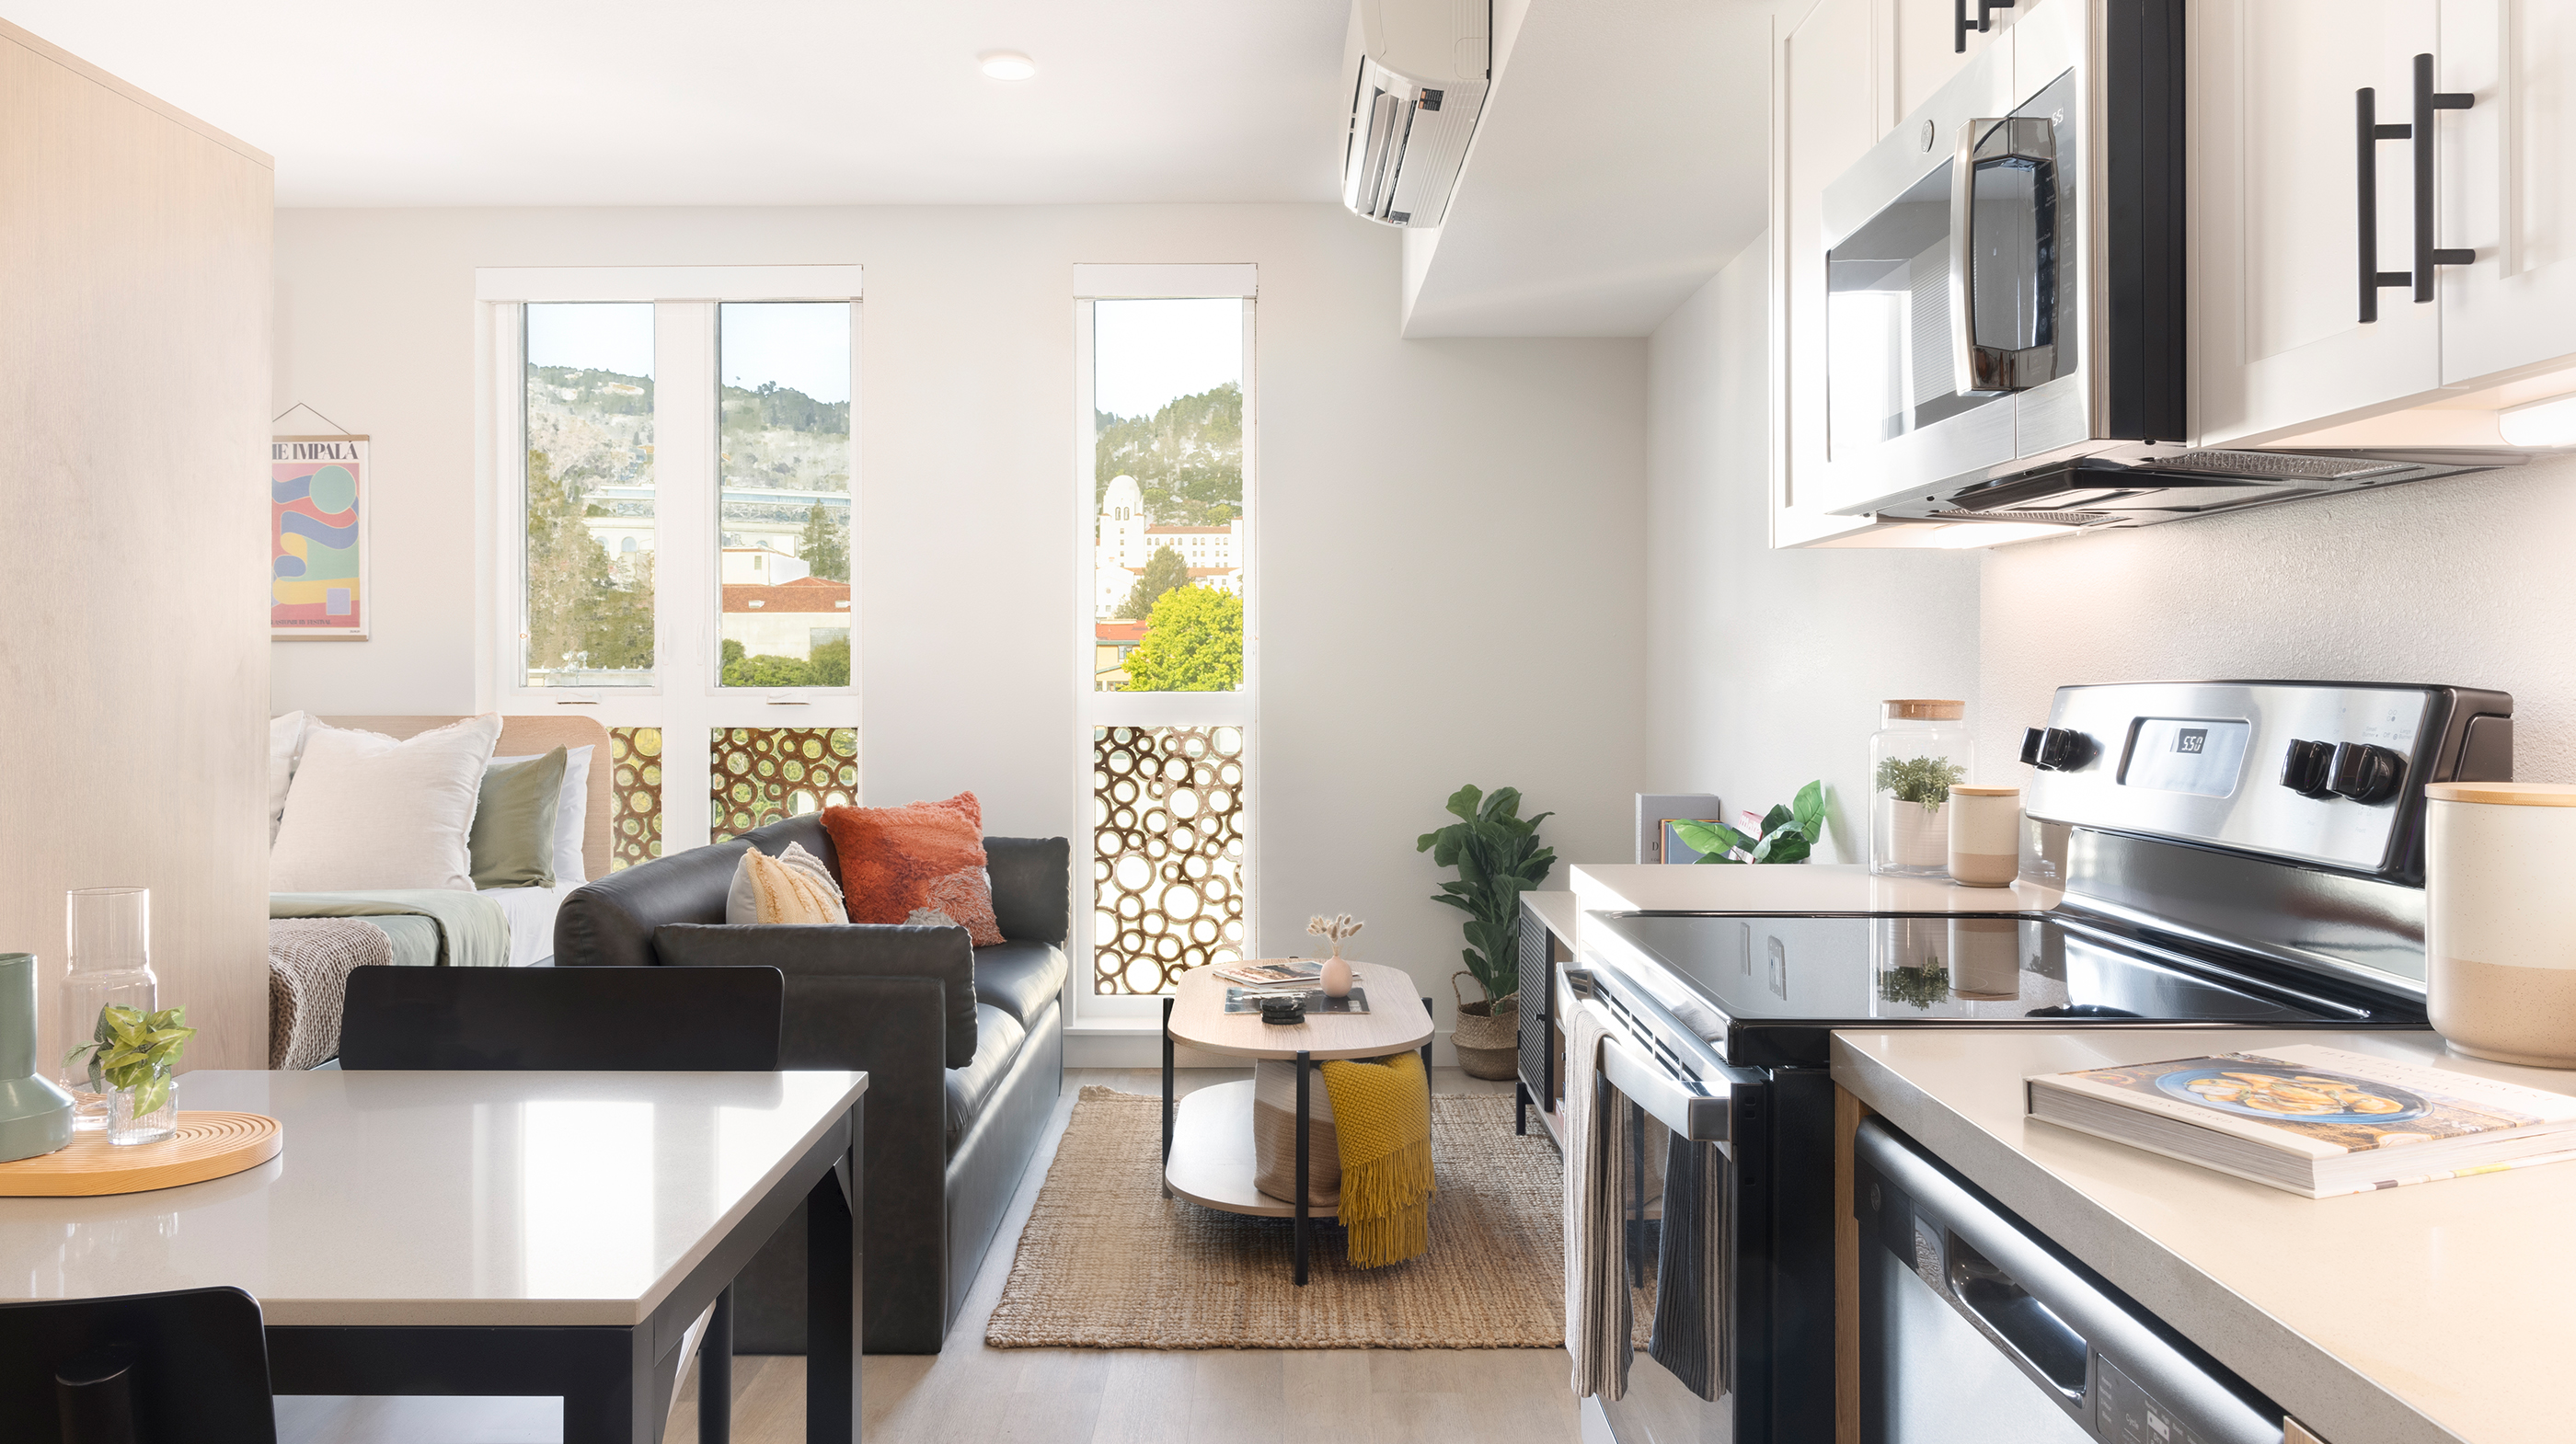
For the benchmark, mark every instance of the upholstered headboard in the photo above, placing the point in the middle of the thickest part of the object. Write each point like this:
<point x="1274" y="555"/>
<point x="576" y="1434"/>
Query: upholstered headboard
<point x="521" y="736"/>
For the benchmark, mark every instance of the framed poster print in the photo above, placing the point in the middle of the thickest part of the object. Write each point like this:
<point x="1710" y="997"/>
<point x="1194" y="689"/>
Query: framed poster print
<point x="317" y="538"/>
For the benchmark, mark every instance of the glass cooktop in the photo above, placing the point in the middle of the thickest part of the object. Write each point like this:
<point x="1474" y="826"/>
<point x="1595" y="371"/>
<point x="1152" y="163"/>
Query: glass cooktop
<point x="1733" y="977"/>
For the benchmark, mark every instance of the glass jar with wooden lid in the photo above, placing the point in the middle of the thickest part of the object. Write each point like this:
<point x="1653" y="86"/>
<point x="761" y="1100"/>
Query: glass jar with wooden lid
<point x="1919" y="752"/>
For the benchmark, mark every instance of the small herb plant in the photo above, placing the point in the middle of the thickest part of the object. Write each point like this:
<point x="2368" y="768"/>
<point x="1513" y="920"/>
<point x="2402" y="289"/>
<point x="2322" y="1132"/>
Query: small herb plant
<point x="1788" y="833"/>
<point x="1920" y="987"/>
<point x="135" y="1050"/>
<point x="1498" y="857"/>
<point x="1923" y="780"/>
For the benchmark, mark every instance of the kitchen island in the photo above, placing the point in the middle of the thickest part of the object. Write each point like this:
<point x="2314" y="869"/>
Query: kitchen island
<point x="2436" y="1312"/>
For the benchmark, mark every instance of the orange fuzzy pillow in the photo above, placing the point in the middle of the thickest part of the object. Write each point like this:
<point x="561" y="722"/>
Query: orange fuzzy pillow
<point x="922" y="863"/>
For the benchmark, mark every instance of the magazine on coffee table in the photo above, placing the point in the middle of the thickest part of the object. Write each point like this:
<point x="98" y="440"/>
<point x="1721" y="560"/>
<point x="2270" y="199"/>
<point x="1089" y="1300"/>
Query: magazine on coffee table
<point x="1271" y="975"/>
<point x="1249" y="1000"/>
<point x="2314" y="1120"/>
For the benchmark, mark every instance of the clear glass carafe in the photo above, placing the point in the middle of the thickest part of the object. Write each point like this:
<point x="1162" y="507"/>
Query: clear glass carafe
<point x="1920" y="750"/>
<point x="110" y="934"/>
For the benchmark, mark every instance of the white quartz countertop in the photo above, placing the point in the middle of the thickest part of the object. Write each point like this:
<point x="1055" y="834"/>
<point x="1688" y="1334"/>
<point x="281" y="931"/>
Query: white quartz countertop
<point x="2439" y="1311"/>
<point x="454" y="1198"/>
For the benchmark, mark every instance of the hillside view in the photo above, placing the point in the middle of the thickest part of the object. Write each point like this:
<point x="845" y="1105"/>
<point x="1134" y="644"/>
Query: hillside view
<point x="1187" y="458"/>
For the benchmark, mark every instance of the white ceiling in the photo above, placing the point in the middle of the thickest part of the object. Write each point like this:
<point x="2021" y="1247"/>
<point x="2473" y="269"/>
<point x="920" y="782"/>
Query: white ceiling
<point x="1621" y="160"/>
<point x="747" y="102"/>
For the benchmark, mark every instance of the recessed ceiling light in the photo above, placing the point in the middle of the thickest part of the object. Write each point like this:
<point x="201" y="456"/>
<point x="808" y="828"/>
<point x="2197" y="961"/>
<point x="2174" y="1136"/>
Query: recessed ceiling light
<point x="1007" y="65"/>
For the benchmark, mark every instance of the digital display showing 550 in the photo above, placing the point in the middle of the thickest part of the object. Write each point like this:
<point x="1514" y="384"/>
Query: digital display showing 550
<point x="2197" y="755"/>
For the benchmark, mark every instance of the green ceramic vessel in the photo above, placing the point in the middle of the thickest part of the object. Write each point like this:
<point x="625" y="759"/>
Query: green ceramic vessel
<point x="35" y="1115"/>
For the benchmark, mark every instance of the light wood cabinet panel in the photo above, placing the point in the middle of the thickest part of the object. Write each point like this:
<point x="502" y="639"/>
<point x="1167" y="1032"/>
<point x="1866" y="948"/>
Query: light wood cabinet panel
<point x="2507" y="178"/>
<point x="2274" y="192"/>
<point x="134" y="378"/>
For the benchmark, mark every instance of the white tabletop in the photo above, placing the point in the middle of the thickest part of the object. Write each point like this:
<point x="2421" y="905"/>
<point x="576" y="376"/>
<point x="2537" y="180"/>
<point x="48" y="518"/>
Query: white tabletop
<point x="449" y="1198"/>
<point x="1394" y="1023"/>
<point x="2435" y="1312"/>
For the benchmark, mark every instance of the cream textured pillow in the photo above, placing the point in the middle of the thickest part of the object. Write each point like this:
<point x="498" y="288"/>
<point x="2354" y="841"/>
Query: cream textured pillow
<point x="793" y="887"/>
<point x="285" y="744"/>
<point x="369" y="812"/>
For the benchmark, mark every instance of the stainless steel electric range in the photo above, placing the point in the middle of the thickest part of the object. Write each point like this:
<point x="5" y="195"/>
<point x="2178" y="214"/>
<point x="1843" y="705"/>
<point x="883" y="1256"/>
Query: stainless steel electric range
<point x="2229" y="853"/>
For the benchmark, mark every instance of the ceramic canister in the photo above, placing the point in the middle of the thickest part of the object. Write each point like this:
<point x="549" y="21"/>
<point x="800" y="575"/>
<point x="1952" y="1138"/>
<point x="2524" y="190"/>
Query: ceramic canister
<point x="2500" y="919"/>
<point x="35" y="1116"/>
<point x="1985" y="835"/>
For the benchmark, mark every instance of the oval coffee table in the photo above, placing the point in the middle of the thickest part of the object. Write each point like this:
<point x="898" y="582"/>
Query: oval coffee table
<point x="1208" y="1155"/>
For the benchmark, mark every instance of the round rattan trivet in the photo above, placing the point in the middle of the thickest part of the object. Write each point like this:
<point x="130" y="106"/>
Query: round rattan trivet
<point x="207" y="1145"/>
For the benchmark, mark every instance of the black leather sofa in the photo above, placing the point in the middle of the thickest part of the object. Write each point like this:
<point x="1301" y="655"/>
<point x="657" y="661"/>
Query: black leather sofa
<point x="964" y="1048"/>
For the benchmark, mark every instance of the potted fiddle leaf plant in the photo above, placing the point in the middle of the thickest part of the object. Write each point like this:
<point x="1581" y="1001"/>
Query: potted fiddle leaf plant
<point x="1789" y="833"/>
<point x="1498" y="857"/>
<point x="131" y="1058"/>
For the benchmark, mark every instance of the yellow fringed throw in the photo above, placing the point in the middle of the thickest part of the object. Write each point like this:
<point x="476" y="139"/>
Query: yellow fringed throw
<point x="1382" y="1111"/>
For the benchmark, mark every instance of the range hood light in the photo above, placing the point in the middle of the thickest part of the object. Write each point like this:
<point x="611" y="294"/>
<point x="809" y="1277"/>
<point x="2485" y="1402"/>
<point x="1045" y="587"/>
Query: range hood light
<point x="1959" y="536"/>
<point x="2542" y="423"/>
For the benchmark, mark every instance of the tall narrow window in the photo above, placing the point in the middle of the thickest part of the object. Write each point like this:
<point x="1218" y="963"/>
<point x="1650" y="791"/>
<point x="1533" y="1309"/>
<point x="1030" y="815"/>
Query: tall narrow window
<point x="783" y="449"/>
<point x="588" y="502"/>
<point x="1167" y="716"/>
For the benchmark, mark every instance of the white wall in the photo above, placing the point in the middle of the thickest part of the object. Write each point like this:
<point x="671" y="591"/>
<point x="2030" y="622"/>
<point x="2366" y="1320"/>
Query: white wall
<point x="1509" y="651"/>
<point x="2465" y="580"/>
<point x="1765" y="668"/>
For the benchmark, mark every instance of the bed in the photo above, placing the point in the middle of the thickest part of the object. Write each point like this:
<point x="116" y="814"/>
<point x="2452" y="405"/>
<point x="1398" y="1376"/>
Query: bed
<point x="316" y="939"/>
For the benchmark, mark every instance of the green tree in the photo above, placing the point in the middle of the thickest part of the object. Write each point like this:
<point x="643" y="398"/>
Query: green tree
<point x="831" y="663"/>
<point x="769" y="671"/>
<point x="1164" y="570"/>
<point x="576" y="604"/>
<point x="825" y="545"/>
<point x="1193" y="643"/>
<point x="1187" y="457"/>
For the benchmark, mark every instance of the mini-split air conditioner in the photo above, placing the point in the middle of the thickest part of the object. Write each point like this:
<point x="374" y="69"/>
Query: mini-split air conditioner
<point x="1418" y="74"/>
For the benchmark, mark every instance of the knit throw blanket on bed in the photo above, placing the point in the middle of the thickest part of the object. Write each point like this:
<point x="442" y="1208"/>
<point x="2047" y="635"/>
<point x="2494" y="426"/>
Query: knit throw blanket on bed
<point x="1382" y="1109"/>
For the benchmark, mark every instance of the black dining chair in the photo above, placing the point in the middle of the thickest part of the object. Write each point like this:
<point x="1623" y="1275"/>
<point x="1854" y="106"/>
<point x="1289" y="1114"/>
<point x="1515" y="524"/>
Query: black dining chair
<point x="187" y="1365"/>
<point x="687" y="1020"/>
<point x="714" y="1020"/>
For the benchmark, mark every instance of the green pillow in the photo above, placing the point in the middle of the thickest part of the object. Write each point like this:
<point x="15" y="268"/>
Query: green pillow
<point x="513" y="841"/>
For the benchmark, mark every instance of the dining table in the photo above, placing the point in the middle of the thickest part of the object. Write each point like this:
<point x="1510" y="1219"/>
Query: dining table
<point x="495" y="1233"/>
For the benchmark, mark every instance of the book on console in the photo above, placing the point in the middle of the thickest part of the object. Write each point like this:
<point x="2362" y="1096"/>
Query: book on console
<point x="2314" y="1120"/>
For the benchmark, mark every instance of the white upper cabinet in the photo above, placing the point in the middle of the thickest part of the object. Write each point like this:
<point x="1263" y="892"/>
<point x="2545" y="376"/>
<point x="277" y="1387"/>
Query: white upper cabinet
<point x="2275" y="185"/>
<point x="2508" y="185"/>
<point x="1828" y="101"/>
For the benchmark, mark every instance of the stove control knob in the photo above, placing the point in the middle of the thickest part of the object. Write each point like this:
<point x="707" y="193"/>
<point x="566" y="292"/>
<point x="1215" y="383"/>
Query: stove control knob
<point x="2063" y="749"/>
<point x="2030" y="740"/>
<point x="2365" y="773"/>
<point x="2306" y="768"/>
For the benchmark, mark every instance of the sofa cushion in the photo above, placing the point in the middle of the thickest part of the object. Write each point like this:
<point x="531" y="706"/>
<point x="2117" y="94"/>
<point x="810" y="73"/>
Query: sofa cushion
<point x="998" y="1036"/>
<point x="609" y="921"/>
<point x="922" y="863"/>
<point x="1019" y="978"/>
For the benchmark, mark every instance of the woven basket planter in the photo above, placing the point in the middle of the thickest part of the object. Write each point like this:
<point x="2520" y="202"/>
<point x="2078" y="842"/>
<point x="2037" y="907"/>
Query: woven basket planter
<point x="1488" y="1038"/>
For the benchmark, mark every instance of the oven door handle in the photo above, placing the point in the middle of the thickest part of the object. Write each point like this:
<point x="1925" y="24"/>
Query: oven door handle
<point x="1688" y="1109"/>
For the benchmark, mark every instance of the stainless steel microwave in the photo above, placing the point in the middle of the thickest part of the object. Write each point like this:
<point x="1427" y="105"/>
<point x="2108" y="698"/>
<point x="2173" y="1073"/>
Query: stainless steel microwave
<point x="2004" y="271"/>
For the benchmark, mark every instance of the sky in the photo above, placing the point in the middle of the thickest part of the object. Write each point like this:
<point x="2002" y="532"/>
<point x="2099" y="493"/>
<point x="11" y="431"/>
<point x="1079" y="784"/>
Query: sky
<point x="801" y="345"/>
<point x="1147" y="352"/>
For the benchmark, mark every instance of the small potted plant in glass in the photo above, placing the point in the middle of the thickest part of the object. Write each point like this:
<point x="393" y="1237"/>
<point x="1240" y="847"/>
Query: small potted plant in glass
<point x="131" y="1058"/>
<point x="1920" y="749"/>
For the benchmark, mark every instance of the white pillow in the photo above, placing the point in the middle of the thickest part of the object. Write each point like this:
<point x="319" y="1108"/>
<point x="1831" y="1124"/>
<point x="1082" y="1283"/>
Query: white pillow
<point x="368" y="812"/>
<point x="285" y="745"/>
<point x="572" y="807"/>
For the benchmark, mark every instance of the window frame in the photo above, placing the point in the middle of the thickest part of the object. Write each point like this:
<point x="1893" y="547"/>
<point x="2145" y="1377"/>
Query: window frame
<point x="1084" y="1009"/>
<point x="687" y="512"/>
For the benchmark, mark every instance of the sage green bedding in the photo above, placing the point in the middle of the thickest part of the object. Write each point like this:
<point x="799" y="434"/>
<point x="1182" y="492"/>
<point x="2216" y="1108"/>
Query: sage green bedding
<point x="430" y="927"/>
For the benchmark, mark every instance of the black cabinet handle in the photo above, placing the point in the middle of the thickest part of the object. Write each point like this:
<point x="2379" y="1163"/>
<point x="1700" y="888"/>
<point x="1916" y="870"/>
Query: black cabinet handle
<point x="2367" y="133"/>
<point x="2428" y="100"/>
<point x="1959" y="24"/>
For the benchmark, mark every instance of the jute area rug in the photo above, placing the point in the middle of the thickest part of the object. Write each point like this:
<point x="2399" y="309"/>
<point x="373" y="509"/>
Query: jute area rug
<point x="1107" y="1262"/>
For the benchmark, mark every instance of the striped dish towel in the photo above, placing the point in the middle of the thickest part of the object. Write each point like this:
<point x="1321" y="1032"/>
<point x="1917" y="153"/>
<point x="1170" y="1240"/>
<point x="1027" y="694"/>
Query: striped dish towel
<point x="1597" y="1306"/>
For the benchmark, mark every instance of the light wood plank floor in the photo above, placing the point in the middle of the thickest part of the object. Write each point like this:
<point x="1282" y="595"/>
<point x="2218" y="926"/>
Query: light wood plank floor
<point x="971" y="1394"/>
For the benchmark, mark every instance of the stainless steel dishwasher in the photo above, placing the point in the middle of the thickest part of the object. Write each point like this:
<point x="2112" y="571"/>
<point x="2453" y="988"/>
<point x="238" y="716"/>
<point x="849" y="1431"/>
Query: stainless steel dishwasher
<point x="1975" y="1330"/>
